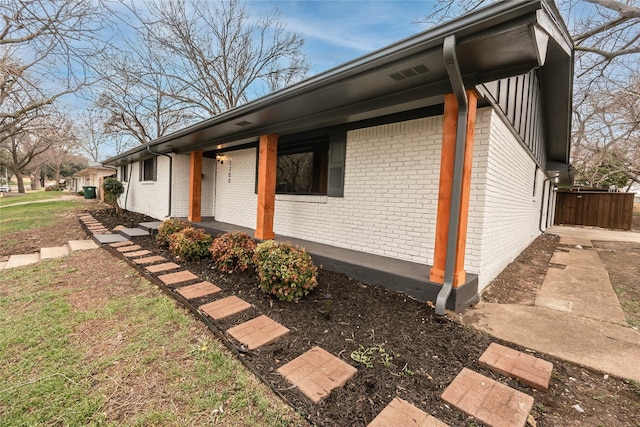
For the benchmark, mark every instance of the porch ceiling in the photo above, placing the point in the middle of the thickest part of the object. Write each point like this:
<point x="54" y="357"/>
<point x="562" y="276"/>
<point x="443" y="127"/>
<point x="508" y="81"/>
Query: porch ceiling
<point x="502" y="40"/>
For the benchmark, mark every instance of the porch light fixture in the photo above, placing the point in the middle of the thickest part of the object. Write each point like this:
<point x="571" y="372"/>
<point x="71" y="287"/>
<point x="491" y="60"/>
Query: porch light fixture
<point x="220" y="158"/>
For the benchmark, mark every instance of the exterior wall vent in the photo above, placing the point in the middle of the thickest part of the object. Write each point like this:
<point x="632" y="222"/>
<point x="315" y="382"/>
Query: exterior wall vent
<point x="410" y="72"/>
<point x="243" y="123"/>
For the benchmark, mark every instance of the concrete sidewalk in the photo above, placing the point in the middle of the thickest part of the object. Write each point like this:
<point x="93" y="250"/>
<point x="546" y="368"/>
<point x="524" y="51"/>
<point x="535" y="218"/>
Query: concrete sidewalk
<point x="576" y="315"/>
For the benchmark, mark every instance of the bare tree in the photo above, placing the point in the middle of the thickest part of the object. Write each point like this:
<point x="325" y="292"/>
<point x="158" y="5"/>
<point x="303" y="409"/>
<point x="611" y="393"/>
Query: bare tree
<point x="96" y="138"/>
<point x="64" y="143"/>
<point x="22" y="146"/>
<point x="137" y="95"/>
<point x="606" y="135"/>
<point x="193" y="60"/>
<point x="43" y="48"/>
<point x="42" y="38"/>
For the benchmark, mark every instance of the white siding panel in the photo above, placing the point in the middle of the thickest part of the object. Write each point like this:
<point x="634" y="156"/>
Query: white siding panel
<point x="236" y="199"/>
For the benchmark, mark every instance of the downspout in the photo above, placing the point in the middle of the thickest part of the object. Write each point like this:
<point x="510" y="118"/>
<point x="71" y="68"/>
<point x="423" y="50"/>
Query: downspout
<point x="551" y="191"/>
<point x="170" y="173"/>
<point x="126" y="195"/>
<point x="544" y="183"/>
<point x="455" y="77"/>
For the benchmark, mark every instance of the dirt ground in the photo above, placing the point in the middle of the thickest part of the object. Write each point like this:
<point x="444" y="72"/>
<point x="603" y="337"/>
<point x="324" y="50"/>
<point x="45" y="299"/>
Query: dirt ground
<point x="412" y="353"/>
<point x="66" y="227"/>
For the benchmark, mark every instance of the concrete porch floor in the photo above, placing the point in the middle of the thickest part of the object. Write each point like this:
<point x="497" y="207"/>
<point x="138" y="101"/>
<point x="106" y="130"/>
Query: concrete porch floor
<point x="396" y="275"/>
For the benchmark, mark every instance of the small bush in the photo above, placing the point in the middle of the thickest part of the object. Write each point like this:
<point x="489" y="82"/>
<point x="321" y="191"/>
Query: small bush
<point x="112" y="189"/>
<point x="285" y="271"/>
<point x="167" y="228"/>
<point x="190" y="244"/>
<point x="233" y="252"/>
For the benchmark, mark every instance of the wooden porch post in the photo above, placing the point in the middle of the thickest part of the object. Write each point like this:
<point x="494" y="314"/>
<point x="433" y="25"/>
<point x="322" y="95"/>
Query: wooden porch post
<point x="195" y="187"/>
<point x="266" y="186"/>
<point x="450" y="123"/>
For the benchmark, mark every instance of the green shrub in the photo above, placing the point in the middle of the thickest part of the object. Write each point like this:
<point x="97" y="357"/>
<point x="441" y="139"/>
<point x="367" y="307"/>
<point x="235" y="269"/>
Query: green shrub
<point x="167" y="228"/>
<point x="190" y="244"/>
<point x="233" y="252"/>
<point x="285" y="271"/>
<point x="112" y="189"/>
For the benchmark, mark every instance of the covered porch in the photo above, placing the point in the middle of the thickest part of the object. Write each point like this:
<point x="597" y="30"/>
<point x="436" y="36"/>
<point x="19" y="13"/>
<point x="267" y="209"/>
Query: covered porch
<point x="396" y="275"/>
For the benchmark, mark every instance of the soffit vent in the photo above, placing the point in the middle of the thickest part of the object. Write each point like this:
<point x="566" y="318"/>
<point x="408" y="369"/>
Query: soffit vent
<point x="243" y="123"/>
<point x="409" y="72"/>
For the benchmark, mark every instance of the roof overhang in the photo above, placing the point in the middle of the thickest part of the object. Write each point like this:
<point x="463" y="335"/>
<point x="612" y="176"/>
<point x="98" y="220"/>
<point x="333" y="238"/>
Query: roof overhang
<point x="499" y="41"/>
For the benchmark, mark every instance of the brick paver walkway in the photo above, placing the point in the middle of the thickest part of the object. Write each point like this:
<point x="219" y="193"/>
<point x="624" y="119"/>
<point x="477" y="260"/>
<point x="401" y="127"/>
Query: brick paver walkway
<point x="400" y="413"/>
<point x="162" y="267"/>
<point x="198" y="290"/>
<point x="317" y="372"/>
<point x="149" y="259"/>
<point x="128" y="248"/>
<point x="178" y="277"/>
<point x="225" y="307"/>
<point x="136" y="253"/>
<point x="258" y="332"/>
<point x="491" y="402"/>
<point x="120" y="244"/>
<point x="527" y="369"/>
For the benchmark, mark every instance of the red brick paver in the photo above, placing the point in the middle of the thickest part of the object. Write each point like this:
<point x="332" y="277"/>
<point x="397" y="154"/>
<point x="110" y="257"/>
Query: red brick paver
<point x="120" y="244"/>
<point x="149" y="259"/>
<point x="136" y="254"/>
<point x="257" y="332"/>
<point x="317" y="372"/>
<point x="177" y="277"/>
<point x="400" y="413"/>
<point x="495" y="404"/>
<point x="527" y="369"/>
<point x="225" y="307"/>
<point x="162" y="267"/>
<point x="128" y="248"/>
<point x="198" y="290"/>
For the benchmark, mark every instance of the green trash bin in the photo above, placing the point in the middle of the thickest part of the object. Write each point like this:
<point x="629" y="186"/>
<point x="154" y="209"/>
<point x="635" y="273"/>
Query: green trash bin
<point x="89" y="192"/>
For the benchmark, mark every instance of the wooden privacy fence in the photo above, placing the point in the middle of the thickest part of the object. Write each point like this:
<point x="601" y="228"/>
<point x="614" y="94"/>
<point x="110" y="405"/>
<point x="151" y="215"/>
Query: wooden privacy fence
<point x="595" y="208"/>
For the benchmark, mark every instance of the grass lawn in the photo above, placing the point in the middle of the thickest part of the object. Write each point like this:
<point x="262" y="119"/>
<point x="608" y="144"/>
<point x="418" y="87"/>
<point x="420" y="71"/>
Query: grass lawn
<point x="31" y="196"/>
<point x="25" y="217"/>
<point x="87" y="341"/>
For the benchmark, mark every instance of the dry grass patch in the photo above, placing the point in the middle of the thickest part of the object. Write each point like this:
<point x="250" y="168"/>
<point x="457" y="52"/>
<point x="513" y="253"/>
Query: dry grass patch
<point x="86" y="341"/>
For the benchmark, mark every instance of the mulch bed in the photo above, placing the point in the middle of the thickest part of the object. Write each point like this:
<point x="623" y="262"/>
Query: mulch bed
<point x="415" y="354"/>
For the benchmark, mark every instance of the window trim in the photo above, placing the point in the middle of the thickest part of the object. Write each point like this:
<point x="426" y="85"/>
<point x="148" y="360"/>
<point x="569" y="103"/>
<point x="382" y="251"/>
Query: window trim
<point x="143" y="169"/>
<point x="124" y="173"/>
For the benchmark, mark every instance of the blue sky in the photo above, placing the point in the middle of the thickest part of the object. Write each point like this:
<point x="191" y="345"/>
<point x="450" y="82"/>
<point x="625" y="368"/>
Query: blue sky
<point x="337" y="31"/>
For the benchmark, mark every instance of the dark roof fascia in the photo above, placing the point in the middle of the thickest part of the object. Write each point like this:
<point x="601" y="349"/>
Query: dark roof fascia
<point x="466" y="25"/>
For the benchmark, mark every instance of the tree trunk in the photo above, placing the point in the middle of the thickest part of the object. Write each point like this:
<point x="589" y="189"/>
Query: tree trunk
<point x="35" y="179"/>
<point x="20" y="183"/>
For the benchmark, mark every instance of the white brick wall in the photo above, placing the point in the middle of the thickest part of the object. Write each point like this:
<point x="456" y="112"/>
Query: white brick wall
<point x="148" y="197"/>
<point x="504" y="213"/>
<point x="180" y="183"/>
<point x="390" y="195"/>
<point x="236" y="200"/>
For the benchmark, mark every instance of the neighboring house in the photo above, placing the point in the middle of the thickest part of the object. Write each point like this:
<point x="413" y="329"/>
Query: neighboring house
<point x="92" y="176"/>
<point x="376" y="158"/>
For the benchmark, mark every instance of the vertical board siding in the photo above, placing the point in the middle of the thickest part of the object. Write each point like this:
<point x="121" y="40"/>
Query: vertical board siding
<point x="518" y="98"/>
<point x="596" y="209"/>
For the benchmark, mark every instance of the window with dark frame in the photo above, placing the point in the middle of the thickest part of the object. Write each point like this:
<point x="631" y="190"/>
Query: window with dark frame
<point x="124" y="173"/>
<point x="302" y="167"/>
<point x="148" y="170"/>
